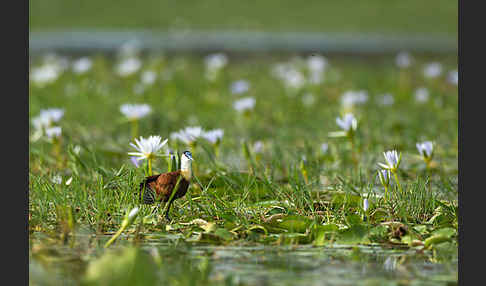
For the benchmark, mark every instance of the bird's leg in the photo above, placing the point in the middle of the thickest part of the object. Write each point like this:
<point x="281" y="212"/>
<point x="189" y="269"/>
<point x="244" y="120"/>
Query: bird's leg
<point x="171" y="198"/>
<point x="167" y="211"/>
<point x="155" y="209"/>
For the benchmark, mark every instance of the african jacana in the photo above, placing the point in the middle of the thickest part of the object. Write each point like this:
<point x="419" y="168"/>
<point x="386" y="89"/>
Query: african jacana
<point x="160" y="187"/>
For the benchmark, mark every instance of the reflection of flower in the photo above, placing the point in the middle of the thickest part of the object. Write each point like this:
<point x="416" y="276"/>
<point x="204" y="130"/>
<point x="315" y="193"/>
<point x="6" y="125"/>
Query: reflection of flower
<point x="135" y="111"/>
<point x="243" y="104"/>
<point x="390" y="264"/>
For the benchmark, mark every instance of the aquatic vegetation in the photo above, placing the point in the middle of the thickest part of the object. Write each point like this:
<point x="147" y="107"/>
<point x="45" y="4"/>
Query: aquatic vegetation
<point x="277" y="191"/>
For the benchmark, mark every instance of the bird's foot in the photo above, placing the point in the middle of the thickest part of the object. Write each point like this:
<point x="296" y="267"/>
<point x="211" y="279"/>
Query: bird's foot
<point x="167" y="217"/>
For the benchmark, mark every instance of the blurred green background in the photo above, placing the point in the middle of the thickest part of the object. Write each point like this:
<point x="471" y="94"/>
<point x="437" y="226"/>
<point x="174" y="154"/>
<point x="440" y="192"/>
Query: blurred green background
<point x="412" y="17"/>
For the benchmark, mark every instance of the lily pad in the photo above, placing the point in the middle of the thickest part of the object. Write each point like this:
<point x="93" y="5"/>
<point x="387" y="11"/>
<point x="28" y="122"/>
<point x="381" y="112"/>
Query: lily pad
<point x="130" y="267"/>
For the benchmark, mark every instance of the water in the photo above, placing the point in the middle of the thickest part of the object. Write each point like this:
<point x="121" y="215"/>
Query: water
<point x="182" y="263"/>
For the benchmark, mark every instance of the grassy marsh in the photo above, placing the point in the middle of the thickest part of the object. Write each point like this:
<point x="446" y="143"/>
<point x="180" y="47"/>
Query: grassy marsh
<point x="286" y="193"/>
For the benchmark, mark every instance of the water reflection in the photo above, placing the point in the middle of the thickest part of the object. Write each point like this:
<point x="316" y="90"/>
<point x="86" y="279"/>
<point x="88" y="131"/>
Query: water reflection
<point x="256" y="264"/>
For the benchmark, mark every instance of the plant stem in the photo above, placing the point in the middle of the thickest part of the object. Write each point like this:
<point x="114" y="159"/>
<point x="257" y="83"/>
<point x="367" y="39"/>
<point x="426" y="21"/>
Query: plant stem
<point x="398" y="182"/>
<point x="150" y="167"/>
<point x="114" y="237"/>
<point x="134" y="128"/>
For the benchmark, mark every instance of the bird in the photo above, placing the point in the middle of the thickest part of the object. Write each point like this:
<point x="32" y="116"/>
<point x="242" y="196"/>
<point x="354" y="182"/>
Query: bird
<point x="160" y="187"/>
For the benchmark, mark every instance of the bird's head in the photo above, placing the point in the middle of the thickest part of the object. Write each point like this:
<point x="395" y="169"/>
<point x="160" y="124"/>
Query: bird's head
<point x="187" y="155"/>
<point x="186" y="162"/>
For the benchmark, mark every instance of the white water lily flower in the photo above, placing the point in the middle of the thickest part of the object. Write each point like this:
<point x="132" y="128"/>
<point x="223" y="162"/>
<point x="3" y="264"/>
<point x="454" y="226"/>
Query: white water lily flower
<point x="53" y="132"/>
<point x="148" y="77"/>
<point x="387" y="99"/>
<point x="421" y="94"/>
<point x="432" y="70"/>
<point x="365" y="204"/>
<point x="348" y="122"/>
<point x="316" y="63"/>
<point x="316" y="77"/>
<point x="240" y="86"/>
<point x="188" y="135"/>
<point x="41" y="122"/>
<point x="390" y="263"/>
<point x="324" y="148"/>
<point x="453" y="77"/>
<point x="130" y="48"/>
<point x="213" y="136"/>
<point x="77" y="149"/>
<point x="82" y="65"/>
<point x="308" y="99"/>
<point x="384" y="176"/>
<point x="56" y="179"/>
<point x="392" y="160"/>
<point x="128" y="66"/>
<point x="352" y="97"/>
<point x="130" y="217"/>
<point x="257" y="147"/>
<point x="147" y="148"/>
<point x="135" y="111"/>
<point x="45" y="74"/>
<point x="214" y="64"/>
<point x="425" y="148"/>
<point x="46" y="117"/>
<point x="244" y="104"/>
<point x="403" y="60"/>
<point x="290" y="76"/>
<point x="294" y="79"/>
<point x="216" y="61"/>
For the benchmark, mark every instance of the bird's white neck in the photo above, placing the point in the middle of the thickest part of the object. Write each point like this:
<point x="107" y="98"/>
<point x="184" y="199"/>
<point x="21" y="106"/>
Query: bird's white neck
<point x="186" y="168"/>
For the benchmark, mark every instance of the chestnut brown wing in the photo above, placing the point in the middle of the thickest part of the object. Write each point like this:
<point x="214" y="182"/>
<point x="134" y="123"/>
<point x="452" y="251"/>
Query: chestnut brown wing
<point x="165" y="183"/>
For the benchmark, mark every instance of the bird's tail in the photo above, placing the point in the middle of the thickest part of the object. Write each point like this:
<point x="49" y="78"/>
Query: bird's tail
<point x="146" y="195"/>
